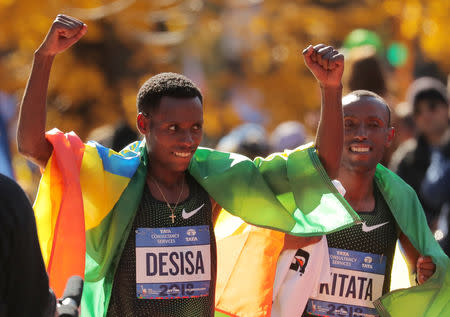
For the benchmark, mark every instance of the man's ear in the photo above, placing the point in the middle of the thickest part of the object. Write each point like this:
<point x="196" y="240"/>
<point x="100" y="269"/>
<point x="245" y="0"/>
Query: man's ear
<point x="390" y="136"/>
<point x="142" y="122"/>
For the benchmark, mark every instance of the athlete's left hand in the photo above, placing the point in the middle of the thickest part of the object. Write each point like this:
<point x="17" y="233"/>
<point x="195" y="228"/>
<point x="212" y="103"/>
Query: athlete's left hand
<point x="424" y="268"/>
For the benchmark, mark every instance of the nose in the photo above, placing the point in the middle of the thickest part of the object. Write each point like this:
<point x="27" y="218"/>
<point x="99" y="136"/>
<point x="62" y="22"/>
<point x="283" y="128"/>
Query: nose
<point x="186" y="138"/>
<point x="361" y="132"/>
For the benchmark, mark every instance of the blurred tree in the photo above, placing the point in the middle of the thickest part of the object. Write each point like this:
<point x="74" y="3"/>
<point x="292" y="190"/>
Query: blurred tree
<point x="245" y="54"/>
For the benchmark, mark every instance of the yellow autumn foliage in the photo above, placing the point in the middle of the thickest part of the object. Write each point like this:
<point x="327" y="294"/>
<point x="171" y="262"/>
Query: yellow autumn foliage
<point x="251" y="46"/>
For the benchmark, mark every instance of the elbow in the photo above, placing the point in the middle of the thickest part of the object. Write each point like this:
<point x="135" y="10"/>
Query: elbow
<point x="26" y="150"/>
<point x="22" y="147"/>
<point x="37" y="152"/>
<point x="26" y="146"/>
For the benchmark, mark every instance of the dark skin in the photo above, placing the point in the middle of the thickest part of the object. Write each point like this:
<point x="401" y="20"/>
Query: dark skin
<point x="366" y="136"/>
<point x="172" y="131"/>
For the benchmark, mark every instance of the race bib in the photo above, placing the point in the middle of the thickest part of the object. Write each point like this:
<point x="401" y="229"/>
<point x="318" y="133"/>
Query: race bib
<point x="173" y="262"/>
<point x="356" y="281"/>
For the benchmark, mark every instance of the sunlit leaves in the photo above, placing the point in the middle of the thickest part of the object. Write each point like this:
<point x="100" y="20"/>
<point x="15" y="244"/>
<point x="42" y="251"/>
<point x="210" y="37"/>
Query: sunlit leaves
<point x="220" y="44"/>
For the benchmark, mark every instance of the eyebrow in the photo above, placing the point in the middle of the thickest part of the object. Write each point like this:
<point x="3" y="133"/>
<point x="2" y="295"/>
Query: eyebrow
<point x="178" y="122"/>
<point x="370" y="117"/>
<point x="376" y="117"/>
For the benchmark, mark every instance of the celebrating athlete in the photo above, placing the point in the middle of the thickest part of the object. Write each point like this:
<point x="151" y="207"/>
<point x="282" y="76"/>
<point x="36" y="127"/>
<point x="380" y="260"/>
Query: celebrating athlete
<point x="138" y="226"/>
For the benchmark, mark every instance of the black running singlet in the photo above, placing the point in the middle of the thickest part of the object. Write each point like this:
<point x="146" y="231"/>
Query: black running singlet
<point x="361" y="260"/>
<point x="168" y="269"/>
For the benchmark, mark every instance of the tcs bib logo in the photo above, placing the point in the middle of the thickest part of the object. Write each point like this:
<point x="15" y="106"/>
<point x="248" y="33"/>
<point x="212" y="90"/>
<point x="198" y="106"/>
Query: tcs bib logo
<point x="300" y="261"/>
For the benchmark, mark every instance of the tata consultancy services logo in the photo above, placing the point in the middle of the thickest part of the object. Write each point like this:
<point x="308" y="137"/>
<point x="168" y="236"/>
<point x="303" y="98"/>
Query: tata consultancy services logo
<point x="191" y="232"/>
<point x="300" y="261"/>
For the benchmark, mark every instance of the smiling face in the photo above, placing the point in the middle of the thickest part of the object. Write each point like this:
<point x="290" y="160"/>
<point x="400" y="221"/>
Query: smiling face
<point x="366" y="132"/>
<point x="173" y="131"/>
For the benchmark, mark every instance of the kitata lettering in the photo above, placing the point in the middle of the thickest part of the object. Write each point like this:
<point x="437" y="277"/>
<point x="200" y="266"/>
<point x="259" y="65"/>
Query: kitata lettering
<point x="343" y="285"/>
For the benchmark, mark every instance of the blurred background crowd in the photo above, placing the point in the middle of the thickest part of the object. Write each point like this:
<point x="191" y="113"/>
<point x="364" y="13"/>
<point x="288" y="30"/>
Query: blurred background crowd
<point x="246" y="57"/>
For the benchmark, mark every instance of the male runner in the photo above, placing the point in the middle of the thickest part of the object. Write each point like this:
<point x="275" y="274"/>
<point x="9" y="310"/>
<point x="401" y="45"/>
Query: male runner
<point x="150" y="246"/>
<point x="284" y="270"/>
<point x="361" y="257"/>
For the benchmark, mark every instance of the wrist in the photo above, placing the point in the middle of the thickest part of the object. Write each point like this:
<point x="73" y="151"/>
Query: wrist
<point x="331" y="86"/>
<point x="41" y="54"/>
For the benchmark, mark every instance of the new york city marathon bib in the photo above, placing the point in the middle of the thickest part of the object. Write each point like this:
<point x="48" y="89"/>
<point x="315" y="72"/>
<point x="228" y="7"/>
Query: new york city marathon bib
<point x="356" y="281"/>
<point x="173" y="262"/>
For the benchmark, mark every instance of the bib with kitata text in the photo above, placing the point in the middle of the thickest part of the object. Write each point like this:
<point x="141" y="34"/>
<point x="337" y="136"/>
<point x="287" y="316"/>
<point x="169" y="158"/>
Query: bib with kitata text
<point x="356" y="281"/>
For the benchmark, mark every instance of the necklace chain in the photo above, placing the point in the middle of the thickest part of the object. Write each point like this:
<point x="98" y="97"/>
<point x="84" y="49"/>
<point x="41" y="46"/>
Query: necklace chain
<point x="172" y="210"/>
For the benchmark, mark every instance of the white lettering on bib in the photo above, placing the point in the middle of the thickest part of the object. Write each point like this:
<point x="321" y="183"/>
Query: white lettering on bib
<point x="173" y="262"/>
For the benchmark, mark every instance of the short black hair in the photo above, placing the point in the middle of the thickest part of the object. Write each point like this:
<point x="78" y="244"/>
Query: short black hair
<point x="165" y="85"/>
<point x="367" y="93"/>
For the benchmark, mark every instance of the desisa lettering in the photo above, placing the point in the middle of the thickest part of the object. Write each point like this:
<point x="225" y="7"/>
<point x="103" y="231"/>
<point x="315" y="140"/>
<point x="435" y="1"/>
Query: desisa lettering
<point x="174" y="263"/>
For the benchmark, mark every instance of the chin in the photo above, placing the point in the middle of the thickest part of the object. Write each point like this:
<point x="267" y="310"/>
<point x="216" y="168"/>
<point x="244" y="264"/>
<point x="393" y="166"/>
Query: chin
<point x="180" y="167"/>
<point x="357" y="165"/>
<point x="364" y="166"/>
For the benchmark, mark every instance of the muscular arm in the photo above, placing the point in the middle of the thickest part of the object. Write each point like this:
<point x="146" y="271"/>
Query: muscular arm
<point x="422" y="266"/>
<point x="327" y="65"/>
<point x="31" y="142"/>
<point x="329" y="137"/>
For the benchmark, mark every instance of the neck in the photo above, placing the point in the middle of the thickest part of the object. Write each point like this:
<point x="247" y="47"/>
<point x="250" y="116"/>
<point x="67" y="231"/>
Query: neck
<point x="359" y="188"/>
<point x="168" y="179"/>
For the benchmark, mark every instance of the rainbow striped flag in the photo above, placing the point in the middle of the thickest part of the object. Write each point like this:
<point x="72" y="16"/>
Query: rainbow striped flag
<point x="89" y="194"/>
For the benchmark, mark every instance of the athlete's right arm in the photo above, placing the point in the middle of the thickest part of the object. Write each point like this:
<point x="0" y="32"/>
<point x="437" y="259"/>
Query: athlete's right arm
<point x="64" y="32"/>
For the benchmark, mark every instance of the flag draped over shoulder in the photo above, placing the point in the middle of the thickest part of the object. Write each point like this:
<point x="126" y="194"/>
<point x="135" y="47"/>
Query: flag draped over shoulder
<point x="289" y="192"/>
<point x="59" y="217"/>
<point x="89" y="195"/>
<point x="80" y="186"/>
<point x="431" y="299"/>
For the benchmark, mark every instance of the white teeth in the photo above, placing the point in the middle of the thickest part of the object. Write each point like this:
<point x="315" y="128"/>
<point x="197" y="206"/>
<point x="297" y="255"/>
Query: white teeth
<point x="359" y="149"/>
<point x="182" y="154"/>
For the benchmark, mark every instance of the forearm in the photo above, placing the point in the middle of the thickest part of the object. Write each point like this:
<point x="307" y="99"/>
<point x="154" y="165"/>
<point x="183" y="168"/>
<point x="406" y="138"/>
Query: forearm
<point x="32" y="118"/>
<point x="409" y="252"/>
<point x="330" y="135"/>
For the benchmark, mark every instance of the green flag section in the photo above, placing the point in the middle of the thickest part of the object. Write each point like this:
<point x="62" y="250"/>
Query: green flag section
<point x="431" y="299"/>
<point x="220" y="314"/>
<point x="288" y="191"/>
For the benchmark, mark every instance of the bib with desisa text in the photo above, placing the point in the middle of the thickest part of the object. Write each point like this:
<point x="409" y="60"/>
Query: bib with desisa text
<point x="173" y="262"/>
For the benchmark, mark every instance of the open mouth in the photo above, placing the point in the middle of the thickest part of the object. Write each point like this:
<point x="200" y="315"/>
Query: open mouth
<point x="182" y="154"/>
<point x="360" y="148"/>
